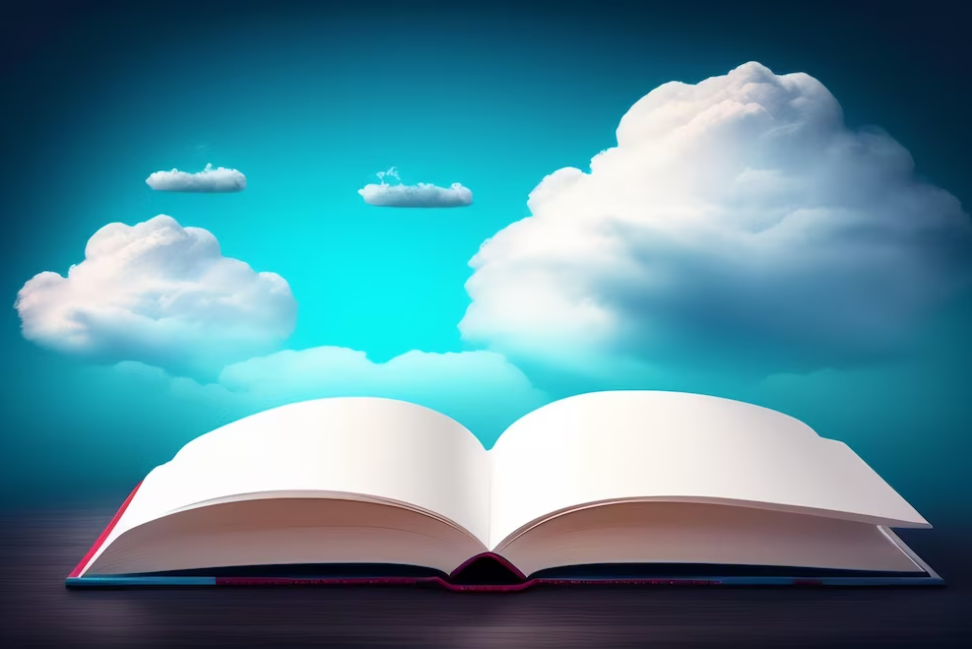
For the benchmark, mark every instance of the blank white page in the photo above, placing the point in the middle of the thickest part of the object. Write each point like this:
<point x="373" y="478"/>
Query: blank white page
<point x="608" y="446"/>
<point x="381" y="448"/>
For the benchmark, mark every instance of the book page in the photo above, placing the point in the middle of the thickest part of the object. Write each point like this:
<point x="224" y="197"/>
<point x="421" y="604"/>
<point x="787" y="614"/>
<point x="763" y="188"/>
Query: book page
<point x="283" y="530"/>
<point x="381" y="449"/>
<point x="628" y="445"/>
<point x="691" y="533"/>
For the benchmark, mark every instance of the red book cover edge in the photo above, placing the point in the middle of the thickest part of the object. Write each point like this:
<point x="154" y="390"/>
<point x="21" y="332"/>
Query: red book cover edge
<point x="104" y="535"/>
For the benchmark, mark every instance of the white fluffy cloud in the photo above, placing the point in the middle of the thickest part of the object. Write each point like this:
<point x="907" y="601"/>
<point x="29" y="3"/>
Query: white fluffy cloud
<point x="159" y="293"/>
<point x="738" y="218"/>
<point x="420" y="195"/>
<point x="481" y="390"/>
<point x="208" y="180"/>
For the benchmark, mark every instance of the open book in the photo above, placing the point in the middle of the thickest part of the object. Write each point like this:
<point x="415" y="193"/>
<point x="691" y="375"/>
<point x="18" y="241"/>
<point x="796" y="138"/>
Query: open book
<point x="606" y="487"/>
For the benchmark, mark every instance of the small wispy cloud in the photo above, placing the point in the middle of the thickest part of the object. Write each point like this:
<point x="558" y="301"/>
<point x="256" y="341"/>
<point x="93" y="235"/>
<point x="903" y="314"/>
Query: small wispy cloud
<point x="208" y="180"/>
<point x="419" y="195"/>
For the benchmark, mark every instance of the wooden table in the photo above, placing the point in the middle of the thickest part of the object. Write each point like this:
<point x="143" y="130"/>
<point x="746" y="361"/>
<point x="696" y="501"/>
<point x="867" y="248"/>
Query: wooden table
<point x="38" y="548"/>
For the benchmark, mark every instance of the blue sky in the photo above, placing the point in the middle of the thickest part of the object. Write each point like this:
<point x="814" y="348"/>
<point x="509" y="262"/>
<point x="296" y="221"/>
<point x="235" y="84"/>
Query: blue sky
<point x="310" y="103"/>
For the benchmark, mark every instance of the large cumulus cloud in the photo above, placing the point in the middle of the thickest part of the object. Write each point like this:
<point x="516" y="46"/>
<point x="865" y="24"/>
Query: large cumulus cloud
<point x="736" y="219"/>
<point x="209" y="180"/>
<point x="158" y="293"/>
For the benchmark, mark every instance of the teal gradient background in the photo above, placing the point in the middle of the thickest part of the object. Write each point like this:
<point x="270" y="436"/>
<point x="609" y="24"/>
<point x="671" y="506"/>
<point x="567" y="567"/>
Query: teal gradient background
<point x="311" y="100"/>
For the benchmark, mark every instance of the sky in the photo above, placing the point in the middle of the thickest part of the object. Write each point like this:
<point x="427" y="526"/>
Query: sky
<point x="787" y="224"/>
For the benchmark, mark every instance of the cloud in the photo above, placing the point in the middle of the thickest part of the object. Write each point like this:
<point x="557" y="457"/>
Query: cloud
<point x="737" y="220"/>
<point x="420" y="195"/>
<point x="480" y="389"/>
<point x="209" y="180"/>
<point x="158" y="293"/>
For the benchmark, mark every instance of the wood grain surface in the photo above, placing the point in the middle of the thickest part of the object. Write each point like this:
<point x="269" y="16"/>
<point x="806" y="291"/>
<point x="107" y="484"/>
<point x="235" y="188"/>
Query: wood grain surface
<point x="38" y="548"/>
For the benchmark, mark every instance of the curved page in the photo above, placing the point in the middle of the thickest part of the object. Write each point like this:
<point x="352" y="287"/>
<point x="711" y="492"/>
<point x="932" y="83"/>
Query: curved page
<point x="286" y="530"/>
<point x="379" y="448"/>
<point x="612" y="446"/>
<point x="690" y="533"/>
